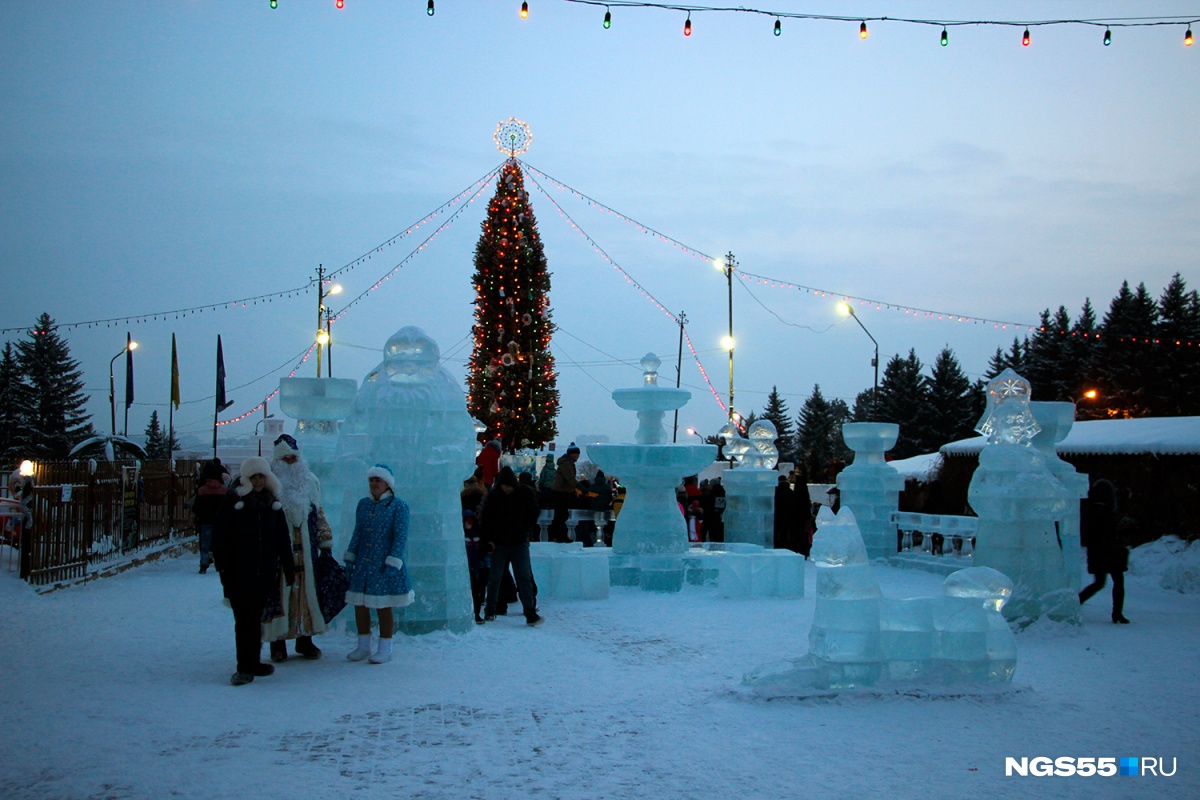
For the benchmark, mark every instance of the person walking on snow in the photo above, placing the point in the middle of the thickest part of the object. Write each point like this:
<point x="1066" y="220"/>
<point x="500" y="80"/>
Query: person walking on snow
<point x="563" y="491"/>
<point x="375" y="559"/>
<point x="297" y="614"/>
<point x="1106" y="555"/>
<point x="250" y="544"/>
<point x="509" y="511"/>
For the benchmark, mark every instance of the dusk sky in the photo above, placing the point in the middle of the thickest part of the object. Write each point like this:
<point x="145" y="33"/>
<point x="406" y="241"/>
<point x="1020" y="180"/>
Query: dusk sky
<point x="161" y="156"/>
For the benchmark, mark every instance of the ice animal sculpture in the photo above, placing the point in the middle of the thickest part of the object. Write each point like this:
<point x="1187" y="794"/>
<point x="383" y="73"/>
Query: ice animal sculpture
<point x="1020" y="504"/>
<point x="411" y="414"/>
<point x="860" y="639"/>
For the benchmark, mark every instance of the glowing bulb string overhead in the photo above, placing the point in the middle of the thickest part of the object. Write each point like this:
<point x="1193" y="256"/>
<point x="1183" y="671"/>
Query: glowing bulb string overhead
<point x="303" y="358"/>
<point x="630" y="280"/>
<point x="1106" y="23"/>
<point x="424" y="243"/>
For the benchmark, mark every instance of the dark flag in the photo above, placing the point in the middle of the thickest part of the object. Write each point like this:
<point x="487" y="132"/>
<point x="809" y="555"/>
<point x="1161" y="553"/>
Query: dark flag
<point x="174" y="375"/>
<point x="222" y="404"/>
<point x="128" y="370"/>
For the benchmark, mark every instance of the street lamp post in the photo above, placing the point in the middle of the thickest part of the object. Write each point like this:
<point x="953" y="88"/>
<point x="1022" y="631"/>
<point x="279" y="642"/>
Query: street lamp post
<point x="112" y="389"/>
<point x="846" y="308"/>
<point x="683" y="320"/>
<point x="727" y="266"/>
<point x="322" y="317"/>
<point x="266" y="417"/>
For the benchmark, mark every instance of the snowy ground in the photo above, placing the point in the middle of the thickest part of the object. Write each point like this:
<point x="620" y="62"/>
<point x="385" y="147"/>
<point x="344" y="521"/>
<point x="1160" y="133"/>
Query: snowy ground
<point x="120" y="689"/>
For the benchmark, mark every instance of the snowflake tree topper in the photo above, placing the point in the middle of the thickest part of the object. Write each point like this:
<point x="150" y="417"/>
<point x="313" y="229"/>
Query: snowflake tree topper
<point x="1008" y="418"/>
<point x="512" y="137"/>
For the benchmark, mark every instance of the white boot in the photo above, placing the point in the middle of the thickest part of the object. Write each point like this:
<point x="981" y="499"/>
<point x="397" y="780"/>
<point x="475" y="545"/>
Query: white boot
<point x="363" y="650"/>
<point x="384" y="653"/>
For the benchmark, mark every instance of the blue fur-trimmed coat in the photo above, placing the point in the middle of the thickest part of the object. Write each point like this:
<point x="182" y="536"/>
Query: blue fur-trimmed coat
<point x="376" y="554"/>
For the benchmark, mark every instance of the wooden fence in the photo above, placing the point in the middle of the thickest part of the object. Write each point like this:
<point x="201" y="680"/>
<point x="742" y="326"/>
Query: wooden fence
<point x="89" y="514"/>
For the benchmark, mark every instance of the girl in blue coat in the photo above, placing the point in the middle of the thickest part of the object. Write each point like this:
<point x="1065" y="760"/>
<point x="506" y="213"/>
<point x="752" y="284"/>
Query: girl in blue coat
<point x="375" y="561"/>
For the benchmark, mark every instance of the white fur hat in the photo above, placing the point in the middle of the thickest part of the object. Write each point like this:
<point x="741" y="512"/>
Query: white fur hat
<point x="256" y="466"/>
<point x="384" y="473"/>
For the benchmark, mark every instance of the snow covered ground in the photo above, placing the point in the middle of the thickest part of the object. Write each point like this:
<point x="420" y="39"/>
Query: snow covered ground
<point x="120" y="689"/>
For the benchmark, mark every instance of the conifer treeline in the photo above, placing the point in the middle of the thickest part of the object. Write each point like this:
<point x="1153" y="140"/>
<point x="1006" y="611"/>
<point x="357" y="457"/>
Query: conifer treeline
<point x="1142" y="359"/>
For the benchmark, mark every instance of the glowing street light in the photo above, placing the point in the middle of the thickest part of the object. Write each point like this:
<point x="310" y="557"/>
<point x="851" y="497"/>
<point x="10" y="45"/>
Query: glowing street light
<point x="727" y="265"/>
<point x="130" y="345"/>
<point x="846" y="308"/>
<point x="322" y="318"/>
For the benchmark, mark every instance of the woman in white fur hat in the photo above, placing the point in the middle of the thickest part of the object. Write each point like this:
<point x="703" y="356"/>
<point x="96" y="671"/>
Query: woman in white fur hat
<point x="250" y="543"/>
<point x="375" y="560"/>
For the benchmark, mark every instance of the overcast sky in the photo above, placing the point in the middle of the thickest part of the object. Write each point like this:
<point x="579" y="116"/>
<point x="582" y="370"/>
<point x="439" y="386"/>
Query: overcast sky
<point x="168" y="155"/>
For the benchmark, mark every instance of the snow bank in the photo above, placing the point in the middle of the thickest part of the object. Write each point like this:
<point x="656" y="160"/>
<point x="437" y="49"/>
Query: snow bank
<point x="1175" y="562"/>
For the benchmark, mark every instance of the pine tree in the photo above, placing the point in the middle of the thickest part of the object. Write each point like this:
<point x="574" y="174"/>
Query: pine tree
<point x="15" y="402"/>
<point x="1179" y="375"/>
<point x="1127" y="359"/>
<point x="903" y="396"/>
<point x="864" y="406"/>
<point x="156" y="442"/>
<point x="819" y="436"/>
<point x="512" y="383"/>
<point x="777" y="412"/>
<point x="950" y="412"/>
<point x="56" y="416"/>
<point x="1048" y="358"/>
<point x="1082" y="349"/>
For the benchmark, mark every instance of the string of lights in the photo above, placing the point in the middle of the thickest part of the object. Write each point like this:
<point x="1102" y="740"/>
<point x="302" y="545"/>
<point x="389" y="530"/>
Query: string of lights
<point x="629" y="278"/>
<point x="480" y="187"/>
<point x="777" y="17"/>
<point x="271" y="396"/>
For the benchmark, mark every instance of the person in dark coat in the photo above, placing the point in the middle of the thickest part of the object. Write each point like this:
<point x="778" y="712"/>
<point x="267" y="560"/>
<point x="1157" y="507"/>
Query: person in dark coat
<point x="787" y="517"/>
<point x="250" y="544"/>
<point x="508" y="513"/>
<point x="209" y="498"/>
<point x="563" y="491"/>
<point x="715" y="522"/>
<point x="1106" y="555"/>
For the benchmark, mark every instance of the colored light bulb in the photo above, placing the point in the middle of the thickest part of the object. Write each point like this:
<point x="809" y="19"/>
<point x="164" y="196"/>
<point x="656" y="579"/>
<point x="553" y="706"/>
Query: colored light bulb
<point x="524" y="10"/>
<point x="429" y="8"/>
<point x="341" y="3"/>
<point x="607" y="20"/>
<point x="274" y="3"/>
<point x="862" y="31"/>
<point x="945" y="38"/>
<point x="687" y="26"/>
<point x="778" y="27"/>
<point x="1107" y="37"/>
<point x="1025" y="38"/>
<point x="1187" y="37"/>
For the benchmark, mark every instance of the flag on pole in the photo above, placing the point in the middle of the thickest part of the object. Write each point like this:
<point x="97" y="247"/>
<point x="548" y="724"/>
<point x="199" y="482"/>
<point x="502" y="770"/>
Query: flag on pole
<point x="174" y="375"/>
<point x="221" y="402"/>
<point x="128" y="370"/>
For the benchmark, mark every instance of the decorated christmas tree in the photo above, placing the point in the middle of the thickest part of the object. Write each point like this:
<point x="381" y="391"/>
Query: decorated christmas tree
<point x="511" y="384"/>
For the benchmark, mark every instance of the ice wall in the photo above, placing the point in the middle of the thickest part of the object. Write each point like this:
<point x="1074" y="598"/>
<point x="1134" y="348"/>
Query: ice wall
<point x="870" y="485"/>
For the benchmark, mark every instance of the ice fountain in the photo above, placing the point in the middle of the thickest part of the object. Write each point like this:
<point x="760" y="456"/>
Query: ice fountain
<point x="650" y="536"/>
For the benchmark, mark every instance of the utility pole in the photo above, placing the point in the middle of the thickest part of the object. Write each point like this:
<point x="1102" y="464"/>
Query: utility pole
<point x="683" y="320"/>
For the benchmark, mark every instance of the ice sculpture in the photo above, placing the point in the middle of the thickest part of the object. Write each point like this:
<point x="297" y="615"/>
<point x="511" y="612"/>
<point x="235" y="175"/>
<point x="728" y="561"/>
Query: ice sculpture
<point x="650" y="535"/>
<point x="870" y="485"/>
<point x="411" y="414"/>
<point x="750" y="487"/>
<point x="317" y="405"/>
<point x="1056" y="420"/>
<point x="1020" y="505"/>
<point x="860" y="639"/>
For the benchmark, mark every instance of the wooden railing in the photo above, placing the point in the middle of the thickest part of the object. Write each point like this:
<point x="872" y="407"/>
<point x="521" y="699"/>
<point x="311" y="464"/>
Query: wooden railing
<point x="90" y="513"/>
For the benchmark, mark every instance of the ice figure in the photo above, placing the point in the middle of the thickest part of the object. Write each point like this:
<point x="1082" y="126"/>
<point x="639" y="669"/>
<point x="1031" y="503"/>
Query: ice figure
<point x="860" y="639"/>
<point x="844" y="640"/>
<point x="1056" y="420"/>
<point x="650" y="536"/>
<point x="411" y="414"/>
<point x="750" y="488"/>
<point x="1020" y="505"/>
<point x="870" y="485"/>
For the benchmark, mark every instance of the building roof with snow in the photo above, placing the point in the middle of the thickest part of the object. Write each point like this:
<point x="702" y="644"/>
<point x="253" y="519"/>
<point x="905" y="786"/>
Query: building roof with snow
<point x="1157" y="435"/>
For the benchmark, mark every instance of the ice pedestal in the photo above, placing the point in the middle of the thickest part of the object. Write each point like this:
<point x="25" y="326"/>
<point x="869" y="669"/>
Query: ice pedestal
<point x="750" y="505"/>
<point x="410" y="413"/>
<point x="569" y="571"/>
<point x="1020" y="505"/>
<point x="1056" y="420"/>
<point x="972" y="640"/>
<point x="752" y="571"/>
<point x="871" y="486"/>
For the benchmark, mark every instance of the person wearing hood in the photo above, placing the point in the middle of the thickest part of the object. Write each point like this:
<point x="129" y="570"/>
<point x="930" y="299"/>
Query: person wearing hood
<point x="250" y="544"/>
<point x="375" y="559"/>
<point x="489" y="461"/>
<point x="209" y="498"/>
<point x="509" y="512"/>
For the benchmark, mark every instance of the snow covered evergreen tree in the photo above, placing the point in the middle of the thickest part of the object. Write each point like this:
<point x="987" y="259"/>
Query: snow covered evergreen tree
<point x="14" y="407"/>
<point x="55" y="414"/>
<point x="903" y="396"/>
<point x="156" y="441"/>
<point x="950" y="411"/>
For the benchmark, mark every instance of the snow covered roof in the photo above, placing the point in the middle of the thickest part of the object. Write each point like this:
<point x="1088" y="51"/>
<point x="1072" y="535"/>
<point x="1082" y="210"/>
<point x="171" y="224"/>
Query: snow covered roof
<point x="918" y="467"/>
<point x="1158" y="435"/>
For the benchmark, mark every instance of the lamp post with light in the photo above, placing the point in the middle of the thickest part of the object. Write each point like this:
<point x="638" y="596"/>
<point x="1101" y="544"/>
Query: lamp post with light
<point x="112" y="389"/>
<point x="846" y="308"/>
<point x="322" y="320"/>
<point x="727" y="266"/>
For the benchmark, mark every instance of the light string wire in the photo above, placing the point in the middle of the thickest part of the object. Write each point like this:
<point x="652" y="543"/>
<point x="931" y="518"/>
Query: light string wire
<point x="628" y="278"/>
<point x="1100" y="22"/>
<point x="478" y="187"/>
<point x="303" y="358"/>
